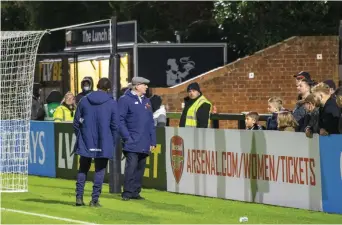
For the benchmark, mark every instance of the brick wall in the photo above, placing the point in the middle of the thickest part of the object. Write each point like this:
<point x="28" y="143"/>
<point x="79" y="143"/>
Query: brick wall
<point x="231" y="91"/>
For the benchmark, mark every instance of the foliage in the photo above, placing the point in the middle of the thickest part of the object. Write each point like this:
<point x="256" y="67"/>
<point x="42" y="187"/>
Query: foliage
<point x="245" y="26"/>
<point x="249" y="26"/>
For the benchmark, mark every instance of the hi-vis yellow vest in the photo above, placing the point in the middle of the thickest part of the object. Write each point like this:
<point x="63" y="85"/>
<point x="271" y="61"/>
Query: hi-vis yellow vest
<point x="191" y="120"/>
<point x="62" y="114"/>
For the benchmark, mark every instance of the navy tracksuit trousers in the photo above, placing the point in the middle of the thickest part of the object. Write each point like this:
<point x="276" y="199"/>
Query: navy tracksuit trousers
<point x="100" y="169"/>
<point x="134" y="172"/>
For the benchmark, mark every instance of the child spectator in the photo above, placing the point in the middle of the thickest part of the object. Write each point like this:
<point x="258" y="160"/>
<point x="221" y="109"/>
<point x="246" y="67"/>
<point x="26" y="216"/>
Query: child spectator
<point x="159" y="112"/>
<point x="329" y="112"/>
<point x="286" y="122"/>
<point x="312" y="117"/>
<point x="275" y="105"/>
<point x="338" y="95"/>
<point x="252" y="119"/>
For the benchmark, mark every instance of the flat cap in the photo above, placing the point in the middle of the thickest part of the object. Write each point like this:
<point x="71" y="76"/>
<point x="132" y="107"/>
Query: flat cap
<point x="139" y="80"/>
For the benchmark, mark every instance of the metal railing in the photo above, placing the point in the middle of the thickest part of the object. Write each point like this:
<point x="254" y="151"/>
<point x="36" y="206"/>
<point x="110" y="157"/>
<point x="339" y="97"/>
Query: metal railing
<point x="215" y="118"/>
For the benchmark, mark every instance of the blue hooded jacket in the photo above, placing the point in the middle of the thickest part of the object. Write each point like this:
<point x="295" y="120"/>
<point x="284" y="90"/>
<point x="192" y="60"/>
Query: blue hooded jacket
<point x="136" y="123"/>
<point x="96" y="125"/>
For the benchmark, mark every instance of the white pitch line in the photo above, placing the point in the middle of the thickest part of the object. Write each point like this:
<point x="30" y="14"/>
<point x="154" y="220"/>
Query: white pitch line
<point x="46" y="216"/>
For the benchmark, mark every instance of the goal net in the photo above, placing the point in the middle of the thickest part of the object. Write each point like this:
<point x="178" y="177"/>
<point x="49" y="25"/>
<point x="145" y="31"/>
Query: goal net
<point x="18" y="57"/>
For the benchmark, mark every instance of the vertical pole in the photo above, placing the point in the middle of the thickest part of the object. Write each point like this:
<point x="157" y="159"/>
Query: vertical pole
<point x="114" y="76"/>
<point x="340" y="54"/>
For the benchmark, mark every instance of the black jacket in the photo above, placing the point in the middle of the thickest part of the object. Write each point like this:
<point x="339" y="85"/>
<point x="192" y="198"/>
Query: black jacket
<point x="256" y="127"/>
<point x="329" y="116"/>
<point x="84" y="93"/>
<point x="202" y="113"/>
<point x="272" y="122"/>
<point x="311" y="121"/>
<point x="37" y="110"/>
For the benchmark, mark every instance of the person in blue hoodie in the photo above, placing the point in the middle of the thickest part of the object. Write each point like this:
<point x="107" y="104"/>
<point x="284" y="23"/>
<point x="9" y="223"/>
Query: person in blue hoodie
<point x="96" y="128"/>
<point x="138" y="135"/>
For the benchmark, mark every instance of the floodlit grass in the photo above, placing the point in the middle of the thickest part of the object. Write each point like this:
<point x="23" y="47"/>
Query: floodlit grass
<point x="56" y="197"/>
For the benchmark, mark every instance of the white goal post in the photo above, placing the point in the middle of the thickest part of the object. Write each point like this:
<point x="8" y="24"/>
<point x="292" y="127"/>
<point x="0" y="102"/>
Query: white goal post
<point x="18" y="58"/>
<point x="18" y="61"/>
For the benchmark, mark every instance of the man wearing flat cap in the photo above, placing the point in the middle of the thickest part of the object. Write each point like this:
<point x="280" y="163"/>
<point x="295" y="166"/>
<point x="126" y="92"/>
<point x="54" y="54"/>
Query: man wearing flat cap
<point x="138" y="134"/>
<point x="197" y="108"/>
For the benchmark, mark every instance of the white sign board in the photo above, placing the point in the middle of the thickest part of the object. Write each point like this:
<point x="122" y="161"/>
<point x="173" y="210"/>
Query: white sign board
<point x="270" y="167"/>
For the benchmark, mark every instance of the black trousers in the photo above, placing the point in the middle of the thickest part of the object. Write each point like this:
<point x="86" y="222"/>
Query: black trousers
<point x="134" y="172"/>
<point x="100" y="169"/>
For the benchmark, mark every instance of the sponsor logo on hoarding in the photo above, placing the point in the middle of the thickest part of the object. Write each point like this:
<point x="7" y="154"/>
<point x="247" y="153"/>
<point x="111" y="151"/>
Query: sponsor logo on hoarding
<point x="177" y="157"/>
<point x="37" y="139"/>
<point x="151" y="169"/>
<point x="42" y="149"/>
<point x="174" y="75"/>
<point x="67" y="148"/>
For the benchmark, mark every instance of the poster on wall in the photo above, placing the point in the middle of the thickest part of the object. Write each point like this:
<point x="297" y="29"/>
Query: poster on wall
<point x="166" y="66"/>
<point x="277" y="168"/>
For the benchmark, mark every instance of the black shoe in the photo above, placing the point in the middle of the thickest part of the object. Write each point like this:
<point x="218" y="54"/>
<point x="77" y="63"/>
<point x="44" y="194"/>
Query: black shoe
<point x="125" y="199"/>
<point x="94" y="204"/>
<point x="138" y="198"/>
<point x="79" y="202"/>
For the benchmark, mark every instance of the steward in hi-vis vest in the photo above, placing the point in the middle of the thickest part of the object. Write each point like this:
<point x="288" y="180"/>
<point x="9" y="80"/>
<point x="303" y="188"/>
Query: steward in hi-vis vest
<point x="197" y="109"/>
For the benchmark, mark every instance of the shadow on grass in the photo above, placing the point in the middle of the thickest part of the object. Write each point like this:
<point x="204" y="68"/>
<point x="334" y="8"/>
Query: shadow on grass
<point x="166" y="206"/>
<point x="146" y="203"/>
<point x="127" y="217"/>
<point x="49" y="201"/>
<point x="105" y="213"/>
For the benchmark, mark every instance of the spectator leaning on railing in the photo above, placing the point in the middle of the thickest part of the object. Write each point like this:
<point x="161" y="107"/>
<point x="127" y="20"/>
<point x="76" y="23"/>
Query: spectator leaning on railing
<point x="312" y="117"/>
<point x="251" y="121"/>
<point x="329" y="112"/>
<point x="286" y="122"/>
<point x="275" y="105"/>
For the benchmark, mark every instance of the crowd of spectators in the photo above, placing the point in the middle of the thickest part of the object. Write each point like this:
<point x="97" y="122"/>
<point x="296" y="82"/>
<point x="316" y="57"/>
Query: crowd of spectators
<point x="318" y="108"/>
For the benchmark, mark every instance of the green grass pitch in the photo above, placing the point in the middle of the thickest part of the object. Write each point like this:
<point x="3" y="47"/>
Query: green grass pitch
<point x="56" y="197"/>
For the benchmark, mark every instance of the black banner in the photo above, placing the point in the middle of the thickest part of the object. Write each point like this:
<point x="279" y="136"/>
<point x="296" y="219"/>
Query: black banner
<point x="100" y="34"/>
<point x="67" y="166"/>
<point x="167" y="66"/>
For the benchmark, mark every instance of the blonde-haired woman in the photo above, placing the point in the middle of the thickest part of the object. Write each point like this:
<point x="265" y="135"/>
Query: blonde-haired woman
<point x="66" y="111"/>
<point x="287" y="122"/>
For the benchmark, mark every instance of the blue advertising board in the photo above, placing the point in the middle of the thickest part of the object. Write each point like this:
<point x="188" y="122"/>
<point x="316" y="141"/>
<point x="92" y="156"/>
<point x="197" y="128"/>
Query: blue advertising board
<point x="331" y="170"/>
<point x="42" y="149"/>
